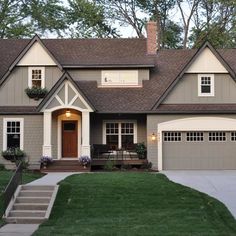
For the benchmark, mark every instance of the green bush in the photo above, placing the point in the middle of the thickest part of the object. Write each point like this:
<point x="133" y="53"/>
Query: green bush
<point x="36" y="92"/>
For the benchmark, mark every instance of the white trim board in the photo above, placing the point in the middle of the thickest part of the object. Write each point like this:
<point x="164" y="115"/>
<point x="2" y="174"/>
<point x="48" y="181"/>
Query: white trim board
<point x="192" y="124"/>
<point x="5" y="120"/>
<point x="61" y="118"/>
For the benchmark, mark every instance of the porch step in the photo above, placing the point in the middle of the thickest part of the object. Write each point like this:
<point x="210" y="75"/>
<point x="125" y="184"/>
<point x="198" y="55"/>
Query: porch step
<point x="32" y="204"/>
<point x="33" y="199"/>
<point x="66" y="166"/>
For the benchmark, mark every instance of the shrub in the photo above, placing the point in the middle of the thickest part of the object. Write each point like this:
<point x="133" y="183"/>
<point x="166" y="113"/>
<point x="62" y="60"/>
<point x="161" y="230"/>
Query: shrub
<point x="46" y="160"/>
<point x="109" y="165"/>
<point x="141" y="150"/>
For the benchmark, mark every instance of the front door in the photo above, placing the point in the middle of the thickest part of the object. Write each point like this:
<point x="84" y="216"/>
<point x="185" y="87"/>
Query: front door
<point x="69" y="139"/>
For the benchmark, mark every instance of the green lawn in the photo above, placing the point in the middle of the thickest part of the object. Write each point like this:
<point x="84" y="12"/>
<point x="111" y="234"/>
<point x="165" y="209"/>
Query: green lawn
<point x="5" y="176"/>
<point x="134" y="204"/>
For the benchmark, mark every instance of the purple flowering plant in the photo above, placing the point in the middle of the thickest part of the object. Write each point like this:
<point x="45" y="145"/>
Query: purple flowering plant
<point x="46" y="160"/>
<point x="84" y="160"/>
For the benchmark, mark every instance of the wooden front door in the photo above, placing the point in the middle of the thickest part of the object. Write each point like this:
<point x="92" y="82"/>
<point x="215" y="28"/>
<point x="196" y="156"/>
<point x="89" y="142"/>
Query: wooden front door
<point x="69" y="139"/>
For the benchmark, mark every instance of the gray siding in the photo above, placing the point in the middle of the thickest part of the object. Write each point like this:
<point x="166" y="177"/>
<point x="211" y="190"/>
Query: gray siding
<point x="33" y="137"/>
<point x="154" y="120"/>
<point x="186" y="91"/>
<point x="12" y="92"/>
<point x="96" y="75"/>
<point x="96" y="126"/>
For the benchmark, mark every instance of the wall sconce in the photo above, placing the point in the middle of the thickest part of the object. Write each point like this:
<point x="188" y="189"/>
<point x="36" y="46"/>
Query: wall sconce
<point x="68" y="114"/>
<point x="153" y="137"/>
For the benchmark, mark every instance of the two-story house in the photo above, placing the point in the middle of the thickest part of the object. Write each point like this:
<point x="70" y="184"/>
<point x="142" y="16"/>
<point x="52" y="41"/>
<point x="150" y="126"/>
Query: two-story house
<point x="180" y="103"/>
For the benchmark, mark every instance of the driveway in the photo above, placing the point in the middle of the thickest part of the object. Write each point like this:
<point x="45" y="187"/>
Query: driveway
<point x="218" y="184"/>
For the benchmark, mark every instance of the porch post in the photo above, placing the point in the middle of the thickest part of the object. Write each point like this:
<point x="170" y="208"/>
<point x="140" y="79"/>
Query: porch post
<point x="85" y="134"/>
<point x="47" y="133"/>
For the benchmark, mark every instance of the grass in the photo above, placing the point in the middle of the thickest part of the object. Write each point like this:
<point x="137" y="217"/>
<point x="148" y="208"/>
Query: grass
<point x="134" y="204"/>
<point x="5" y="176"/>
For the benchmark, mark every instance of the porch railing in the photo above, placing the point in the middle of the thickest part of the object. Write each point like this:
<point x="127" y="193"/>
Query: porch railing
<point x="14" y="182"/>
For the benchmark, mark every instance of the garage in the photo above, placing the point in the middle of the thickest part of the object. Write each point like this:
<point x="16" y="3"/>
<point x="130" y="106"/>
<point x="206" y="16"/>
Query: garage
<point x="199" y="143"/>
<point x="199" y="150"/>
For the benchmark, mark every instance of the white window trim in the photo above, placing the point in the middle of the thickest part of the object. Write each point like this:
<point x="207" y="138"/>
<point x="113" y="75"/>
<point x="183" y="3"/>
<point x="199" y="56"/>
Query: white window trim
<point x="212" y="93"/>
<point x="5" y="120"/>
<point x="107" y="84"/>
<point x="30" y="76"/>
<point x="193" y="141"/>
<point x="166" y="141"/>
<point x="230" y="134"/>
<point x="119" y="130"/>
<point x="217" y="141"/>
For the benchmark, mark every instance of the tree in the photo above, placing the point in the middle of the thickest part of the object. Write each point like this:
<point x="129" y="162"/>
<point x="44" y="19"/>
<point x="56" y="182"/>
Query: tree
<point x="186" y="18"/>
<point x="86" y="19"/>
<point x="217" y="23"/>
<point x="12" y="17"/>
<point x="126" y="12"/>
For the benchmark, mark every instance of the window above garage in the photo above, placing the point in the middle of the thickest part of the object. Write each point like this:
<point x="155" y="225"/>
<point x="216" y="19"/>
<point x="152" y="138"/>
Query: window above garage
<point x="120" y="78"/>
<point x="206" y="85"/>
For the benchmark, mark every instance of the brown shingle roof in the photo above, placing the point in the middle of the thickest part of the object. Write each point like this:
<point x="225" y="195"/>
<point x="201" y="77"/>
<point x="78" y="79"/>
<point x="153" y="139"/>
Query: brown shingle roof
<point x="197" y="108"/>
<point x="18" y="109"/>
<point x="168" y="64"/>
<point x="115" y="52"/>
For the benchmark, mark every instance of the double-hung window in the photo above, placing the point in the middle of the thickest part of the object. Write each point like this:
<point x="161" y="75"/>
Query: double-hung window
<point x="13" y="133"/>
<point x="206" y="85"/>
<point x="120" y="134"/>
<point x="36" y="77"/>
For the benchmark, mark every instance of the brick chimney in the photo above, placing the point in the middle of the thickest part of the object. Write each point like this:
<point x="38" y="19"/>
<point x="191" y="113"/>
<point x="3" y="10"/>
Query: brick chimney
<point x="151" y="37"/>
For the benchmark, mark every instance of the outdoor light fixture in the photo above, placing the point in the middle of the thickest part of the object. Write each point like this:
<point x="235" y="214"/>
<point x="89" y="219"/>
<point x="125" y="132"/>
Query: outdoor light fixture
<point x="68" y="114"/>
<point x="153" y="137"/>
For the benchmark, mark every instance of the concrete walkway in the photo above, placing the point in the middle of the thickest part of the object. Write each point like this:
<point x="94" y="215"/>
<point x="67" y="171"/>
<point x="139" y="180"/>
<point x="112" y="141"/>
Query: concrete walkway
<point x="52" y="178"/>
<point x="218" y="184"/>
<point x="29" y="229"/>
<point x="18" y="229"/>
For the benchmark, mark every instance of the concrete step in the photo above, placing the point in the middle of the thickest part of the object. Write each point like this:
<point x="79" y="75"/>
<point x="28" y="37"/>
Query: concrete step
<point x="38" y="187"/>
<point x="32" y="206"/>
<point x="33" y="200"/>
<point x="23" y="213"/>
<point x="35" y="193"/>
<point x="25" y="220"/>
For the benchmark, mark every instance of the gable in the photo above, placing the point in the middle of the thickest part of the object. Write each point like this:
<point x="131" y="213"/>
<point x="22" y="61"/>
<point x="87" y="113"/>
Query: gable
<point x="35" y="56"/>
<point x="67" y="96"/>
<point x="206" y="62"/>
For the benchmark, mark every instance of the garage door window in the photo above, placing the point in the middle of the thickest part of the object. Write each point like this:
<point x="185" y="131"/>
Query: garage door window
<point x="172" y="137"/>
<point x="194" y="136"/>
<point x="217" y="136"/>
<point x="233" y="136"/>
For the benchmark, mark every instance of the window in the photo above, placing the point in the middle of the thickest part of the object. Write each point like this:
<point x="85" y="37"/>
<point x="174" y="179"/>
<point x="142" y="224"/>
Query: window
<point x="13" y="133"/>
<point x="172" y="137"/>
<point x="206" y="85"/>
<point x="120" y="78"/>
<point x="194" y="136"/>
<point x="233" y="136"/>
<point x="217" y="136"/>
<point x="120" y="134"/>
<point x="36" y="77"/>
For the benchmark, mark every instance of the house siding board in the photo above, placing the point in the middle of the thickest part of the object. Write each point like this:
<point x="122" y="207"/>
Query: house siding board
<point x="33" y="137"/>
<point x="12" y="92"/>
<point x="186" y="91"/>
<point x="96" y="75"/>
<point x="152" y="150"/>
